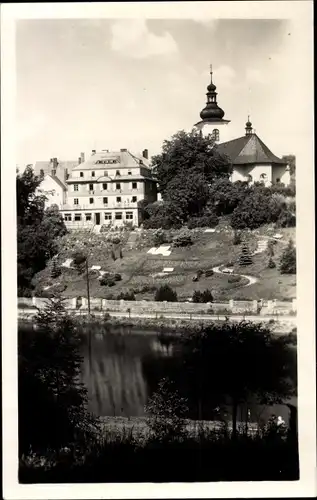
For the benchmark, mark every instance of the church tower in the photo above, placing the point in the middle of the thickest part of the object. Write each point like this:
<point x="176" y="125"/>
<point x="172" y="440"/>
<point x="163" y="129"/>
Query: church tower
<point x="212" y="116"/>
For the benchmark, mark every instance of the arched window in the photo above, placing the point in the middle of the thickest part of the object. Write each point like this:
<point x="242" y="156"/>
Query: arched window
<point x="249" y="178"/>
<point x="278" y="180"/>
<point x="215" y="134"/>
<point x="263" y="176"/>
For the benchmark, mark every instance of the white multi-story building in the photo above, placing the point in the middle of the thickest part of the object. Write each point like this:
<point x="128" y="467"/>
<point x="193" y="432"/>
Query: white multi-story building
<point x="106" y="189"/>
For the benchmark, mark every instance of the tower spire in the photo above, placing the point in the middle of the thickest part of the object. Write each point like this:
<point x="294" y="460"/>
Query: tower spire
<point x="248" y="127"/>
<point x="211" y="112"/>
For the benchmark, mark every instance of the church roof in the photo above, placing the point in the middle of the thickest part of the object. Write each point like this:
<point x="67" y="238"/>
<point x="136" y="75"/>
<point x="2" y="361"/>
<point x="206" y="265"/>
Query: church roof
<point x="125" y="157"/>
<point x="248" y="149"/>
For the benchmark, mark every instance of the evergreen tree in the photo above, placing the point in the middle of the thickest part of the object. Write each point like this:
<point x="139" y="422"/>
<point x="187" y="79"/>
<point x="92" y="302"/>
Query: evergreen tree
<point x="165" y="292"/>
<point x="288" y="259"/>
<point x="245" y="258"/>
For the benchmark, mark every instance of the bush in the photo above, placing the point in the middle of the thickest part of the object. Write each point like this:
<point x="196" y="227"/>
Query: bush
<point x="259" y="207"/>
<point x="237" y="238"/>
<point x="165" y="292"/>
<point x="56" y="270"/>
<point x="159" y="237"/>
<point x="287" y="218"/>
<point x="115" y="240"/>
<point x="271" y="264"/>
<point x="234" y="279"/>
<point x="202" y="297"/>
<point x="288" y="259"/>
<point x="183" y="239"/>
<point x="210" y="220"/>
<point x="161" y="215"/>
<point x="270" y="248"/>
<point x="107" y="281"/>
<point x="209" y="273"/>
<point x="200" y="272"/>
<point x="117" y="277"/>
<point x="78" y="258"/>
<point x="166" y="412"/>
<point x="126" y="296"/>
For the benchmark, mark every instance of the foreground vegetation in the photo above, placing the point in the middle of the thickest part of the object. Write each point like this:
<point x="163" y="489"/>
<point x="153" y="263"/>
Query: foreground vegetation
<point x="60" y="441"/>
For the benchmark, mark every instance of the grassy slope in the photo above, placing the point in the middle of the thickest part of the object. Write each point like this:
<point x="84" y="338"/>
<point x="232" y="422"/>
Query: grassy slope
<point x="137" y="266"/>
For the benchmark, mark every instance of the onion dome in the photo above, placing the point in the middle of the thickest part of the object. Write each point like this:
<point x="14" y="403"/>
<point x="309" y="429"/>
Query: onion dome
<point x="211" y="112"/>
<point x="248" y="127"/>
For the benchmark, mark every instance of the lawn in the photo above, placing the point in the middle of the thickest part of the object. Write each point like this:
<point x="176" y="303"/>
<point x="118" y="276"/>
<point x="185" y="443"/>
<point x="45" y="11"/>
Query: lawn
<point x="139" y="269"/>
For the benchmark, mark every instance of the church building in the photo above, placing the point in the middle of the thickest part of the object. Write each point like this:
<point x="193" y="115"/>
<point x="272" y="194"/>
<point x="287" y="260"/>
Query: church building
<point x="251" y="159"/>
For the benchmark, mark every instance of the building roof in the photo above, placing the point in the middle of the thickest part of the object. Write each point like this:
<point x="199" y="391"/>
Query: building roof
<point x="127" y="160"/>
<point x="248" y="149"/>
<point x="47" y="166"/>
<point x="58" y="181"/>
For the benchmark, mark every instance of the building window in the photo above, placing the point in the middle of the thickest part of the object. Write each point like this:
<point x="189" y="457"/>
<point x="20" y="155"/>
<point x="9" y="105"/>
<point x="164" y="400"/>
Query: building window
<point x="215" y="134"/>
<point x="278" y="180"/>
<point x="105" y="173"/>
<point x="129" y="215"/>
<point x="88" y="217"/>
<point x="92" y="174"/>
<point x="53" y="172"/>
<point x="77" y="217"/>
<point x="76" y="201"/>
<point x="68" y="217"/>
<point x="263" y="176"/>
<point x="105" y="200"/>
<point x="91" y="187"/>
<point x="249" y="178"/>
<point x="91" y="200"/>
<point x="118" y="199"/>
<point x="108" y="216"/>
<point x="105" y="186"/>
<point x="81" y="174"/>
<point x="134" y="185"/>
<point x="129" y="172"/>
<point x="118" y="216"/>
<point x="117" y="172"/>
<point x="118" y="186"/>
<point x="134" y="199"/>
<point x="75" y="187"/>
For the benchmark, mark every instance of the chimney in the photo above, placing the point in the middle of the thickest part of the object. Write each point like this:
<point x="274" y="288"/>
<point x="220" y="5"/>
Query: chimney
<point x="79" y="160"/>
<point x="123" y="150"/>
<point x="145" y="154"/>
<point x="93" y="151"/>
<point x="82" y="155"/>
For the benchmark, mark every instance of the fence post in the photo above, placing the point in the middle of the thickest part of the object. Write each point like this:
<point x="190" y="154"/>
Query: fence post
<point x="231" y="305"/>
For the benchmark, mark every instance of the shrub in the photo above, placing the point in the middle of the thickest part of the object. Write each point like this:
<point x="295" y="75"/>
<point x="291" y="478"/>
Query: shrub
<point x="209" y="273"/>
<point x="202" y="297"/>
<point x="234" y="279"/>
<point x="113" y="255"/>
<point x="288" y="259"/>
<point x="126" y="296"/>
<point x="200" y="272"/>
<point x="271" y="264"/>
<point x="287" y="218"/>
<point x="117" y="277"/>
<point x="115" y="240"/>
<point x="120" y="254"/>
<point x="78" y="258"/>
<point x="258" y="207"/>
<point x="166" y="412"/>
<point x="165" y="292"/>
<point x="107" y="281"/>
<point x="210" y="220"/>
<point x="236" y="238"/>
<point x="159" y="237"/>
<point x="245" y="258"/>
<point x="270" y="248"/>
<point x="183" y="239"/>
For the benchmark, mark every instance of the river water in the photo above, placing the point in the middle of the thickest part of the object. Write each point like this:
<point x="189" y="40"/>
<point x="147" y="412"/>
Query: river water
<point x="121" y="370"/>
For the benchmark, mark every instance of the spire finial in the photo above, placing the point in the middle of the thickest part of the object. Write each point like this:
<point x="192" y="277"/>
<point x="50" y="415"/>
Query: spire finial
<point x="248" y="118"/>
<point x="211" y="69"/>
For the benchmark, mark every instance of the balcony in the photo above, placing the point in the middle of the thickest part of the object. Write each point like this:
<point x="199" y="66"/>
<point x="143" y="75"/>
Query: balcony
<point x="98" y="206"/>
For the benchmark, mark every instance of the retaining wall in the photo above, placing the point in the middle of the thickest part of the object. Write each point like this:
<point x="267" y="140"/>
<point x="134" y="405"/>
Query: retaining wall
<point x="142" y="306"/>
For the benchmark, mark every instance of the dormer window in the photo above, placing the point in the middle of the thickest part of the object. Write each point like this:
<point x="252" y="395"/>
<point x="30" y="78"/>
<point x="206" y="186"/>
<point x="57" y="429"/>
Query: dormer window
<point x="105" y="173"/>
<point x="263" y="177"/>
<point x="117" y="172"/>
<point x="249" y="178"/>
<point x="129" y="172"/>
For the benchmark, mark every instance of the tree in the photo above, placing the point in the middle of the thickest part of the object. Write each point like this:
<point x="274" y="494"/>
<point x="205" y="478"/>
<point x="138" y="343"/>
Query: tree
<point x="52" y="400"/>
<point x="232" y="363"/>
<point x="202" y="297"/>
<point x="288" y="259"/>
<point x="245" y="258"/>
<point x="37" y="229"/>
<point x="185" y="170"/>
<point x="166" y="412"/>
<point x="225" y="195"/>
<point x="165" y="292"/>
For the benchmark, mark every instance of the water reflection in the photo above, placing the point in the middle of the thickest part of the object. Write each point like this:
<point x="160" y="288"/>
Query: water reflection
<point x="122" y="367"/>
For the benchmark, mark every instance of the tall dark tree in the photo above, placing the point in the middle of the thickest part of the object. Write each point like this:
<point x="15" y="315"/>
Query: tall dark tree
<point x="52" y="400"/>
<point x="288" y="259"/>
<point x="37" y="229"/>
<point x="233" y="363"/>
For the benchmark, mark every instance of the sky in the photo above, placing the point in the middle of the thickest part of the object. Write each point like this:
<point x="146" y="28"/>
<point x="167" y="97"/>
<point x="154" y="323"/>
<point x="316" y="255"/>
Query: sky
<point x="88" y="84"/>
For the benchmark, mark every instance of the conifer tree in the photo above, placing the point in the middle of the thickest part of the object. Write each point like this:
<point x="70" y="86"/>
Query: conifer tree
<point x="288" y="259"/>
<point x="245" y="257"/>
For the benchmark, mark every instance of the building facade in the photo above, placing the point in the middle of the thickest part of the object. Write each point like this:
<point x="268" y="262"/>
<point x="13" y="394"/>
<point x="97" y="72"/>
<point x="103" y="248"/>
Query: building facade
<point x="107" y="189"/>
<point x="54" y="190"/>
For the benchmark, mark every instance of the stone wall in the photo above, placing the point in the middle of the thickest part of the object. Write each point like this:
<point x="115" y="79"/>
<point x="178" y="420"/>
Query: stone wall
<point x="143" y="307"/>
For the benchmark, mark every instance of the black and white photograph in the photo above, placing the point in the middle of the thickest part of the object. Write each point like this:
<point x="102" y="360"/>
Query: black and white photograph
<point x="160" y="192"/>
